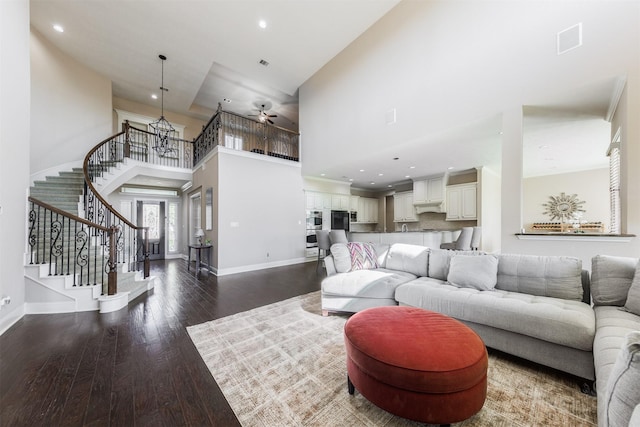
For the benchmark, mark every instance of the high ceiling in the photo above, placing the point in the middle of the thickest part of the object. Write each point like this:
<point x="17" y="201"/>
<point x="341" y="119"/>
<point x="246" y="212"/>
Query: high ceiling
<point x="213" y="47"/>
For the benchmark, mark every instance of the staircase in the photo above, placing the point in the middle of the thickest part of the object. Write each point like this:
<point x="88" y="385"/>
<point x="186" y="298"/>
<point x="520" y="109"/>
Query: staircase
<point x="63" y="191"/>
<point x="66" y="268"/>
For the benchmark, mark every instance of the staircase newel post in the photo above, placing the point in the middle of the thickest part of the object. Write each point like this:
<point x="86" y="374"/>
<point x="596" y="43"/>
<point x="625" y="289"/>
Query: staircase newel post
<point x="127" y="139"/>
<point x="147" y="263"/>
<point x="112" y="276"/>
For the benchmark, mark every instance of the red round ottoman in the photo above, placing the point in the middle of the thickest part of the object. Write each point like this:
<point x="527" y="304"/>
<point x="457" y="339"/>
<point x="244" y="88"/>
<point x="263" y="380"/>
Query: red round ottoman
<point x="416" y="364"/>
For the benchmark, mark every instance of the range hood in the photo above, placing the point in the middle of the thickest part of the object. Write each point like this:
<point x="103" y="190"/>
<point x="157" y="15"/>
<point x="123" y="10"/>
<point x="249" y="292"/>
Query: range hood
<point x="437" y="207"/>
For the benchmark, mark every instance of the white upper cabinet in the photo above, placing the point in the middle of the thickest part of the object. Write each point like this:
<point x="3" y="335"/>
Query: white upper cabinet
<point x="462" y="202"/>
<point x="315" y="201"/>
<point x="354" y="203"/>
<point x="430" y="190"/>
<point x="403" y="210"/>
<point x="367" y="210"/>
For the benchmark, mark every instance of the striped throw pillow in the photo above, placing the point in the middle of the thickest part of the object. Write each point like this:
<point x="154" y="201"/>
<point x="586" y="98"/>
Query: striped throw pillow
<point x="363" y="256"/>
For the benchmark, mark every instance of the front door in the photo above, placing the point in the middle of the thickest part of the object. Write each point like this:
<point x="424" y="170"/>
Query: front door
<point x="152" y="215"/>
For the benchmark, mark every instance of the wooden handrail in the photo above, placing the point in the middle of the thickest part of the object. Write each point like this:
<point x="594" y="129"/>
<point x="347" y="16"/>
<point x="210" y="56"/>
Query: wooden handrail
<point x="67" y="214"/>
<point x="87" y="180"/>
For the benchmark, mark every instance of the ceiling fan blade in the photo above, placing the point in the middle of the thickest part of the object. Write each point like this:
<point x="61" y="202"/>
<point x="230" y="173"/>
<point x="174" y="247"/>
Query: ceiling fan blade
<point x="272" y="115"/>
<point x="270" y="121"/>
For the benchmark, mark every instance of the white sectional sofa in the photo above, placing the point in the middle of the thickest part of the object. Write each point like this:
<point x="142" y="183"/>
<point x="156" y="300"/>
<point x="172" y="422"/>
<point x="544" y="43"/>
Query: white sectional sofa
<point x="611" y="280"/>
<point x="530" y="306"/>
<point x="535" y="307"/>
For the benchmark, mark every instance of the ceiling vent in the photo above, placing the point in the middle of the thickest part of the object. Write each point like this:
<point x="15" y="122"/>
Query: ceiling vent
<point x="263" y="62"/>
<point x="569" y="39"/>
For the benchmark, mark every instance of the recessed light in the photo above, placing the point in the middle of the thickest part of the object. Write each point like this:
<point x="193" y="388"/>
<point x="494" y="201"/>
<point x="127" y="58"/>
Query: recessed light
<point x="450" y="167"/>
<point x="227" y="100"/>
<point x="59" y="28"/>
<point x="380" y="174"/>
<point x="412" y="167"/>
<point x="372" y="183"/>
<point x="407" y="176"/>
<point x="389" y="185"/>
<point x="361" y="170"/>
<point x="154" y="96"/>
<point x="262" y="24"/>
<point x="350" y="179"/>
<point x="322" y="174"/>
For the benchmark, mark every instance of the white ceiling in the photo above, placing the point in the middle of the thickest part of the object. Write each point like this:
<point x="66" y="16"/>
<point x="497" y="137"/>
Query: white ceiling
<point x="214" y="48"/>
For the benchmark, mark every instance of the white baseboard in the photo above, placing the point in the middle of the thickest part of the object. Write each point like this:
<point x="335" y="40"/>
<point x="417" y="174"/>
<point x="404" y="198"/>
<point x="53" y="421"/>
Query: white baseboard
<point x="50" y="307"/>
<point x="11" y="318"/>
<point x="262" y="266"/>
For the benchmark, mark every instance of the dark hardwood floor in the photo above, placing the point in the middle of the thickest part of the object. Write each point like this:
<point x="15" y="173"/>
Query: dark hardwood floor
<point x="136" y="366"/>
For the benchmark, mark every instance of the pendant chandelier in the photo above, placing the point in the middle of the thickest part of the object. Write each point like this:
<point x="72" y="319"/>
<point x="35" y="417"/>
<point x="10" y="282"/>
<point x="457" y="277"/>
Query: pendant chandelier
<point x="162" y="129"/>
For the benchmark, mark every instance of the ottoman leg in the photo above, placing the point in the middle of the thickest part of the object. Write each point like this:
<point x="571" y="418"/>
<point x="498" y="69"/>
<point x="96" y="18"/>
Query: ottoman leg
<point x="350" y="386"/>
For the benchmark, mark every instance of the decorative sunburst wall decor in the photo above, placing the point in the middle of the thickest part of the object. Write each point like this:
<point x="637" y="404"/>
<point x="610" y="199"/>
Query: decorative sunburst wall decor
<point x="563" y="207"/>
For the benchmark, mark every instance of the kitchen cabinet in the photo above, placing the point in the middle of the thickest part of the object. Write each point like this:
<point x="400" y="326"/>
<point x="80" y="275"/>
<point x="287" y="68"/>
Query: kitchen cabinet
<point x="461" y="202"/>
<point x="340" y="202"/>
<point x="430" y="190"/>
<point x="403" y="210"/>
<point x="318" y="201"/>
<point x="315" y="200"/>
<point x="354" y="203"/>
<point x="367" y="210"/>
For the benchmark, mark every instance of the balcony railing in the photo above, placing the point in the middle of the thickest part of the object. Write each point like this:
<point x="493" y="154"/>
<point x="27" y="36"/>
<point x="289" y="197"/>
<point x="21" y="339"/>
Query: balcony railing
<point x="240" y="133"/>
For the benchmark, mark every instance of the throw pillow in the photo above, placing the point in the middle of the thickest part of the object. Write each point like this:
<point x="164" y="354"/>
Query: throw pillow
<point x="477" y="272"/>
<point x="341" y="257"/>
<point x="633" y="297"/>
<point x="363" y="256"/>
<point x="623" y="393"/>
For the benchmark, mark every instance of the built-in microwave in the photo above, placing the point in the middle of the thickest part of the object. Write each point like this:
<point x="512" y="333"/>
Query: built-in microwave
<point x="314" y="219"/>
<point x="354" y="216"/>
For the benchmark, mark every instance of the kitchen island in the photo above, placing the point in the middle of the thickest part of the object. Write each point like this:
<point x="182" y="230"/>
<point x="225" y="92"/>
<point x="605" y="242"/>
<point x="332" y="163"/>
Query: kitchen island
<point x="431" y="239"/>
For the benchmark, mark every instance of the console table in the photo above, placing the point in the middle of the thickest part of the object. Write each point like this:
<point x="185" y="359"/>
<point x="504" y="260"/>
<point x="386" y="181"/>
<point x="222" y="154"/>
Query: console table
<point x="199" y="249"/>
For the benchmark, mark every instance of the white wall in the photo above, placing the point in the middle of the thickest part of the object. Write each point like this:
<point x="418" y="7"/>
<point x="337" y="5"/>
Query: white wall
<point x="442" y="64"/>
<point x="591" y="187"/>
<point x="489" y="218"/>
<point x="14" y="161"/>
<point x="259" y="210"/>
<point x="70" y="107"/>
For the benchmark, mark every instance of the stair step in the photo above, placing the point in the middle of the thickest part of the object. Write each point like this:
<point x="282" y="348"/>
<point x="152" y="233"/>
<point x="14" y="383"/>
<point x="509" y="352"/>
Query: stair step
<point x="66" y="179"/>
<point x="59" y="184"/>
<point x="45" y="195"/>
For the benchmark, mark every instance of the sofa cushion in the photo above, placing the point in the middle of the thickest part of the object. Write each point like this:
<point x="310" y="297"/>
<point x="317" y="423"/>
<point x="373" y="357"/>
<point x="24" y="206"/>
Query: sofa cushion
<point x="611" y="278"/>
<point x="564" y="322"/>
<point x="623" y="393"/>
<point x="376" y="283"/>
<point x="412" y="259"/>
<point x="612" y="324"/>
<point x="633" y="297"/>
<point x="341" y="257"/>
<point x="477" y="272"/>
<point x="549" y="276"/>
<point x="439" y="260"/>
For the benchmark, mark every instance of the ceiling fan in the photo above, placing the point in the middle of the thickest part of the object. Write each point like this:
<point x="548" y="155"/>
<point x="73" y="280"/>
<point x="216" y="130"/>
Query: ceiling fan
<point x="262" y="115"/>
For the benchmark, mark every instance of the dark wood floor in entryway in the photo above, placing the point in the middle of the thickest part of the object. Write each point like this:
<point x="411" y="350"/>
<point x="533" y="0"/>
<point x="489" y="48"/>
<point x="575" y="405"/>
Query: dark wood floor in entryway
<point x="137" y="366"/>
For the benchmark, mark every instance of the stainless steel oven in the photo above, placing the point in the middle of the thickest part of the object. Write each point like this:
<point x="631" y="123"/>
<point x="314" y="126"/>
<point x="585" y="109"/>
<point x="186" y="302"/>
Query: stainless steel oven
<point x="314" y="223"/>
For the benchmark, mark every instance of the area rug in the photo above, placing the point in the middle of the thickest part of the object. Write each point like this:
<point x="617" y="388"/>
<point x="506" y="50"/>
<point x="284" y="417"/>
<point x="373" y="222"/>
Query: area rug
<point x="284" y="365"/>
